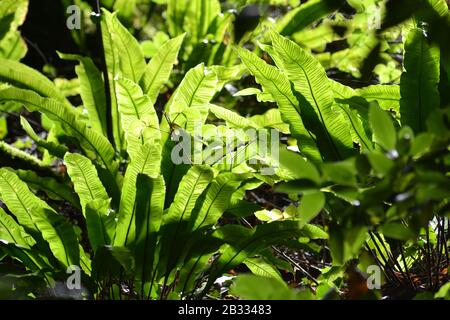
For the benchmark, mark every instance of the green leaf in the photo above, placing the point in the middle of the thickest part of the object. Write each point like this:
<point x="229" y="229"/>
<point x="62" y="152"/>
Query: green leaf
<point x="271" y="119"/>
<point x="310" y="206"/>
<point x="387" y="96"/>
<point x="55" y="149"/>
<point x="305" y="14"/>
<point x="95" y="144"/>
<point x="31" y="259"/>
<point x="380" y="163"/>
<point x="311" y="231"/>
<point x="176" y="14"/>
<point x="111" y="54"/>
<point x="11" y="232"/>
<point x="147" y="162"/>
<point x="444" y="292"/>
<point x="216" y="201"/>
<point x="59" y="234"/>
<point x="68" y="87"/>
<point x="99" y="222"/>
<point x="260" y="267"/>
<point x="384" y="133"/>
<point x="136" y="114"/>
<point x="19" y="156"/>
<point x="125" y="8"/>
<point x="158" y="70"/>
<point x="242" y="243"/>
<point x="419" y="84"/>
<point x="201" y="14"/>
<point x="345" y="243"/>
<point x="297" y="167"/>
<point x="92" y="91"/>
<point x="130" y="55"/>
<point x="227" y="74"/>
<point x="149" y="215"/>
<point x="3" y="128"/>
<point x="19" y="199"/>
<point x="277" y="84"/>
<point x="195" y="91"/>
<point x="112" y="262"/>
<point x="397" y="231"/>
<point x="316" y="98"/>
<point x="12" y="16"/>
<point x="51" y="186"/>
<point x="191" y="187"/>
<point x="176" y="220"/>
<point x="12" y="46"/>
<point x="232" y="118"/>
<point x="39" y="219"/>
<point x="342" y="172"/>
<point x="25" y="77"/>
<point x="251" y="287"/>
<point x="85" y="179"/>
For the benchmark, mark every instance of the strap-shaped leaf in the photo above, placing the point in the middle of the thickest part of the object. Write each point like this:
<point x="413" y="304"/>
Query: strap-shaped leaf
<point x="316" y="102"/>
<point x="149" y="213"/>
<point x="175" y="222"/>
<point x="19" y="199"/>
<point x="191" y="187"/>
<point x="85" y="179"/>
<point x="357" y="129"/>
<point x="271" y="119"/>
<point x="232" y="118"/>
<point x="147" y="161"/>
<point x="356" y="110"/>
<point x="383" y="129"/>
<point x="12" y="232"/>
<point x="259" y="266"/>
<point x="159" y="68"/>
<point x="16" y="154"/>
<point x="95" y="144"/>
<point x="100" y="224"/>
<point x="305" y="14"/>
<point x="59" y="234"/>
<point x="136" y="114"/>
<point x="39" y="219"/>
<point x="201" y="14"/>
<point x="419" y="84"/>
<point x="112" y="71"/>
<point x="30" y="258"/>
<point x="176" y="14"/>
<point x="196" y="262"/>
<point x="51" y="186"/>
<point x="387" y="96"/>
<point x="53" y="148"/>
<point x="22" y="76"/>
<point x="277" y="84"/>
<point x="215" y="201"/>
<point x="227" y="74"/>
<point x="92" y="91"/>
<point x="130" y="55"/>
<point x="195" y="90"/>
<point x="12" y="15"/>
<point x="242" y="243"/>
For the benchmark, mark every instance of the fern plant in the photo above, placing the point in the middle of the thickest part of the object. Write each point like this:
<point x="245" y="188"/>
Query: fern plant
<point x="354" y="142"/>
<point x="148" y="228"/>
